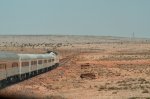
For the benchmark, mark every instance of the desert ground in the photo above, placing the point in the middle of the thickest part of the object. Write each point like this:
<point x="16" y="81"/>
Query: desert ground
<point x="99" y="67"/>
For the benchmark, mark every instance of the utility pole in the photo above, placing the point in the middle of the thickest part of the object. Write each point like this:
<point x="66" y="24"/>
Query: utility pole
<point x="133" y="35"/>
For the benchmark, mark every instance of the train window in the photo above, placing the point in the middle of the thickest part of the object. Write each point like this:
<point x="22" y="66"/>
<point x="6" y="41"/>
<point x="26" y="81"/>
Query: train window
<point x="49" y="60"/>
<point x="33" y="62"/>
<point x="45" y="61"/>
<point x="14" y="64"/>
<point x="2" y="66"/>
<point x="52" y="60"/>
<point x="25" y="63"/>
<point x="40" y="62"/>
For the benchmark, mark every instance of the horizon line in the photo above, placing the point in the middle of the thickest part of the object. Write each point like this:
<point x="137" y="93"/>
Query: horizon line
<point x="71" y="35"/>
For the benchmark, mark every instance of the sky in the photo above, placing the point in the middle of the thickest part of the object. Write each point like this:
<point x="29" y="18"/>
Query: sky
<point x="75" y="17"/>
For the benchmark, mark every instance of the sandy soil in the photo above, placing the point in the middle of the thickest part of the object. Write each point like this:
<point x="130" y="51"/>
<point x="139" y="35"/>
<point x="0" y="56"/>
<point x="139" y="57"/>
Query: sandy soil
<point x="116" y="68"/>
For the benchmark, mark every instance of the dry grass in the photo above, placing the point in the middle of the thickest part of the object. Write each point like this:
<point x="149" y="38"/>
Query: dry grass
<point x="121" y="67"/>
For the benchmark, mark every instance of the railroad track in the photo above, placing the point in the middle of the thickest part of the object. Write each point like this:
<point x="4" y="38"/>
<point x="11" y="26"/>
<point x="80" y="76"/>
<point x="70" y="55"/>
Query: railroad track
<point x="64" y="61"/>
<point x="67" y="59"/>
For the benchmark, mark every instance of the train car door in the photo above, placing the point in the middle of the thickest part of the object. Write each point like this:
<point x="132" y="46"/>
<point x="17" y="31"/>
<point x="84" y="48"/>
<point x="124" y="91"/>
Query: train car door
<point x="15" y="68"/>
<point x="3" y="73"/>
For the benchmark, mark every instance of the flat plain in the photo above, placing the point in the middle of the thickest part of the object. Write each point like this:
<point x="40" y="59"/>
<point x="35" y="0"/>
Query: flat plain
<point x="100" y="67"/>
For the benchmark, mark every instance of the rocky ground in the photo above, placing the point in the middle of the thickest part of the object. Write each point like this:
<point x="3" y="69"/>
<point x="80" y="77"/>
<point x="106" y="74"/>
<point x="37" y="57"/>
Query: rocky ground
<point x="115" y="69"/>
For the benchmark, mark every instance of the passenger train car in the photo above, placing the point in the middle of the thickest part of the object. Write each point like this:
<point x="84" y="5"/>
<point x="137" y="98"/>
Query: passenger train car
<point x="15" y="67"/>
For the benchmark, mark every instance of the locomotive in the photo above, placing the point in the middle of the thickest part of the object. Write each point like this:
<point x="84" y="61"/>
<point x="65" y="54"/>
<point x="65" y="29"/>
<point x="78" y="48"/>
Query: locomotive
<point x="16" y="67"/>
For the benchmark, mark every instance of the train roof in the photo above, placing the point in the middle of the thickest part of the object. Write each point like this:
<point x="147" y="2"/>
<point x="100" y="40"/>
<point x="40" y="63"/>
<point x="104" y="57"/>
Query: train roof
<point x="14" y="56"/>
<point x="8" y="56"/>
<point x="36" y="56"/>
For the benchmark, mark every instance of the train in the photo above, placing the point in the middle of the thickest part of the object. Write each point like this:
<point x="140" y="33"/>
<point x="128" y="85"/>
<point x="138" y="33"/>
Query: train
<point x="16" y="67"/>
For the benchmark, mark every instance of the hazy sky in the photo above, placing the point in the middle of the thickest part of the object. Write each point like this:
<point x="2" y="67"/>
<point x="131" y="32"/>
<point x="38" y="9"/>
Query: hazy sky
<point x="75" y="17"/>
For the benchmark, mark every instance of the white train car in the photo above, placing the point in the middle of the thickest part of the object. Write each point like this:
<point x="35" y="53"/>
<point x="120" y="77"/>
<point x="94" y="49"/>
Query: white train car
<point x="15" y="67"/>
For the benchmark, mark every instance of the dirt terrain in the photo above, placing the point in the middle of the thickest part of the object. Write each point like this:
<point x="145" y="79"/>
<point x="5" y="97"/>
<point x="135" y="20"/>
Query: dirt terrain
<point x="101" y="68"/>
